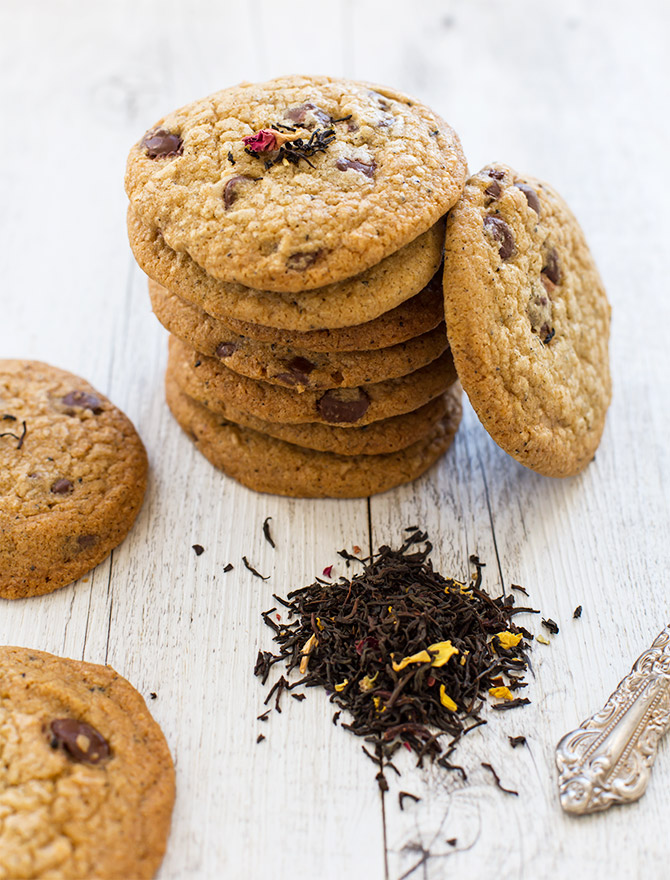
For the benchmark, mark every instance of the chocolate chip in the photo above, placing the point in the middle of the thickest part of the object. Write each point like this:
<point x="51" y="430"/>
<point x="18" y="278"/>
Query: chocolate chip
<point x="494" y="190"/>
<point x="495" y="173"/>
<point x="87" y="541"/>
<point x="225" y="349"/>
<point x="85" y="400"/>
<point x="79" y="740"/>
<point x="62" y="486"/>
<point x="161" y="144"/>
<point x="299" y="114"/>
<point x="547" y="333"/>
<point x="531" y="196"/>
<point x="233" y="187"/>
<point x="343" y="404"/>
<point x="299" y="370"/>
<point x="302" y="261"/>
<point x="500" y="232"/>
<point x="552" y="270"/>
<point x="355" y="165"/>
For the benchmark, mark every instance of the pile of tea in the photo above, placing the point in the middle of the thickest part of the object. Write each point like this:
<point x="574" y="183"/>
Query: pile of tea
<point x="409" y="654"/>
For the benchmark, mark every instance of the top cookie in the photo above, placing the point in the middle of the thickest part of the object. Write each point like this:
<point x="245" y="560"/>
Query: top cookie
<point x="345" y="175"/>
<point x="72" y="477"/>
<point x="528" y="320"/>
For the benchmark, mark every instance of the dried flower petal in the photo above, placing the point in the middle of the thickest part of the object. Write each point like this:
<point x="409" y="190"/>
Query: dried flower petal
<point x="508" y="639"/>
<point x="446" y="700"/>
<point x="501" y="693"/>
<point x="261" y="142"/>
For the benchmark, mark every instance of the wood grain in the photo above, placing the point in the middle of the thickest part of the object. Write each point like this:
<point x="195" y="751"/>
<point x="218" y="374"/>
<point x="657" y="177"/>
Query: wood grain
<point x="577" y="93"/>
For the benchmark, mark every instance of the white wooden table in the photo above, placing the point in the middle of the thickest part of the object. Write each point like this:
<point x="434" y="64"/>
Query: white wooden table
<point x="574" y="92"/>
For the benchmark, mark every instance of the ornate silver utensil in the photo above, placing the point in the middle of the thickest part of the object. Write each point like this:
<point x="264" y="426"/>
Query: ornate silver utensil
<point x="608" y="759"/>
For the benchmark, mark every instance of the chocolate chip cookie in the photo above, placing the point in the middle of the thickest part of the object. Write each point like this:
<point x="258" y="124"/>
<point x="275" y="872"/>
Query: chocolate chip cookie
<point x="211" y="383"/>
<point x="265" y="464"/>
<point x="356" y="300"/>
<point x="414" y="317"/>
<point x="72" y="477"/>
<point x="86" y="778"/>
<point x="295" y="183"/>
<point x="295" y="367"/>
<point x="387" y="435"/>
<point x="528" y="320"/>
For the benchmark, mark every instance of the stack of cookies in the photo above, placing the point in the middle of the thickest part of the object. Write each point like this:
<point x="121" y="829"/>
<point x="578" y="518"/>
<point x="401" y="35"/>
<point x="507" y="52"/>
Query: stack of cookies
<point x="293" y="235"/>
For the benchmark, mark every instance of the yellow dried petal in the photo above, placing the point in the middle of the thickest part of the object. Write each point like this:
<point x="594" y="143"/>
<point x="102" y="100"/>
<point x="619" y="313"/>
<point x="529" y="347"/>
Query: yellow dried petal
<point x="443" y="651"/>
<point x="542" y="640"/>
<point x="377" y="702"/>
<point x="307" y="649"/>
<point x="341" y="686"/>
<point x="421" y="657"/>
<point x="501" y="693"/>
<point x="508" y="639"/>
<point x="367" y="684"/>
<point x="463" y="661"/>
<point x="446" y="700"/>
<point x="440" y="654"/>
<point x="318" y="623"/>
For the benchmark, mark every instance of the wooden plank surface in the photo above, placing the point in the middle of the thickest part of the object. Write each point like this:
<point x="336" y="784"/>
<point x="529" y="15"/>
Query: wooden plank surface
<point x="574" y="92"/>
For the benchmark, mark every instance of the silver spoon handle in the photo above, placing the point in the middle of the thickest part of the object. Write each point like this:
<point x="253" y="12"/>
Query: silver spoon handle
<point x="608" y="759"/>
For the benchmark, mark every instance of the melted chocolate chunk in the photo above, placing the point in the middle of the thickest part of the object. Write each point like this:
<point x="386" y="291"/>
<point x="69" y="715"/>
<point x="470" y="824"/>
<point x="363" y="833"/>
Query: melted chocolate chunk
<point x="161" y="144"/>
<point x="497" y="175"/>
<point x="80" y="741"/>
<point x="302" y="261"/>
<point x="355" y="165"/>
<point x="85" y="400"/>
<point x="531" y="196"/>
<point x="299" y="114"/>
<point x="62" y="486"/>
<point x="232" y="189"/>
<point x="552" y="270"/>
<point x="87" y="541"/>
<point x="343" y="405"/>
<point x="299" y="370"/>
<point x="225" y="349"/>
<point x="500" y="232"/>
<point x="494" y="190"/>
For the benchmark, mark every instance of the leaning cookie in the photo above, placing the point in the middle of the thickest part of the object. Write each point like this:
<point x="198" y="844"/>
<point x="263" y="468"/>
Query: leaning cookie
<point x="87" y="782"/>
<point x="528" y="320"/>
<point x="265" y="464"/>
<point x="72" y="478"/>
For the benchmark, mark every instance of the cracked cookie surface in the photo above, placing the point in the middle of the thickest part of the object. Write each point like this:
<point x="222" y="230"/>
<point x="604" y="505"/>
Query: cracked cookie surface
<point x="528" y="320"/>
<point x="386" y="170"/>
<point x="71" y="488"/>
<point x="86" y="778"/>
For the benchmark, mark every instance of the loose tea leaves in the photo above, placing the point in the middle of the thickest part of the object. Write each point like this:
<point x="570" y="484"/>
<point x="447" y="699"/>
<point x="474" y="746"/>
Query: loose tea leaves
<point x="408" y="653"/>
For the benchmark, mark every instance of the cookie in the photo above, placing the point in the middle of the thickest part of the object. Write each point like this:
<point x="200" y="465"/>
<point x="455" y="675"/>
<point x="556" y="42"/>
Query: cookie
<point x="214" y="385"/>
<point x="418" y="315"/>
<point x="387" y="435"/>
<point x="295" y="183"/>
<point x="86" y="779"/>
<point x="362" y="298"/>
<point x="528" y="320"/>
<point x="265" y="464"/>
<point x="295" y="367"/>
<point x="73" y="473"/>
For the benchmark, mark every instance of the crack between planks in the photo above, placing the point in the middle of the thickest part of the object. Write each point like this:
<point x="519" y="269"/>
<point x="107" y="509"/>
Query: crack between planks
<point x="493" y="531"/>
<point x="111" y="605"/>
